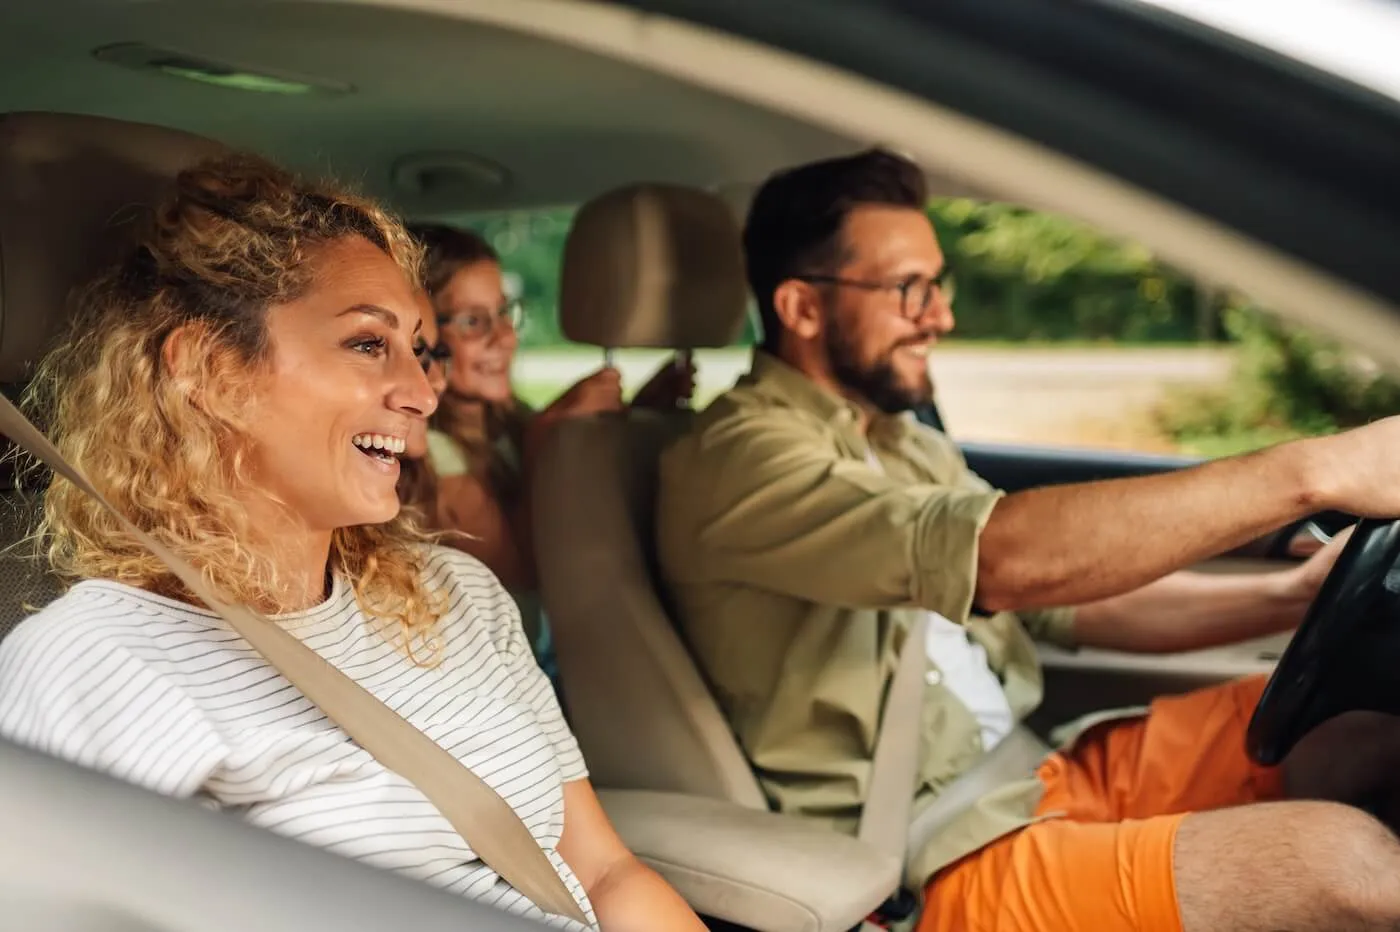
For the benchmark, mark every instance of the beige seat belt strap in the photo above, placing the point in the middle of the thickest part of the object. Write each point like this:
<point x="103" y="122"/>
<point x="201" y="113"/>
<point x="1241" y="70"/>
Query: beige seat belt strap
<point x="484" y="820"/>
<point x="894" y="766"/>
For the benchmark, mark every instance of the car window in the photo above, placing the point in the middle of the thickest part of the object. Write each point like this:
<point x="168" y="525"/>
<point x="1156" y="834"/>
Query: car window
<point x="1065" y="337"/>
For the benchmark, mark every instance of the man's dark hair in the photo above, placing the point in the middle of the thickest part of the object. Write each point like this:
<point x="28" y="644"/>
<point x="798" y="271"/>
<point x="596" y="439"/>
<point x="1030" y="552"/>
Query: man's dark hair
<point x="795" y="222"/>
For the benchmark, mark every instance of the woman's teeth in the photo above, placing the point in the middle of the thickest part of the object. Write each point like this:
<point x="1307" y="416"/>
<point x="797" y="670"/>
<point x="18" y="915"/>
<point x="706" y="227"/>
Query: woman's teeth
<point x="379" y="446"/>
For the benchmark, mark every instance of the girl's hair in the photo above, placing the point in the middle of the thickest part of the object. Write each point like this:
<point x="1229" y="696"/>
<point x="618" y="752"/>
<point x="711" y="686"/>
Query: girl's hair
<point x="167" y="448"/>
<point x="447" y="249"/>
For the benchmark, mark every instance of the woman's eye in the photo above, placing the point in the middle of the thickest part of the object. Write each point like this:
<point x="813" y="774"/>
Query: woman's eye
<point x="370" y="346"/>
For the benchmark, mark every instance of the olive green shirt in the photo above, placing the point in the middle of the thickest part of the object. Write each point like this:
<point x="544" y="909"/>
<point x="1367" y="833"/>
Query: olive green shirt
<point x="796" y="568"/>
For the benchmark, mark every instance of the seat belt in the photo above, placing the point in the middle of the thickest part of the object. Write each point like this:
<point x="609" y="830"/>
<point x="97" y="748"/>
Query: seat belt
<point x="1015" y="757"/>
<point x="484" y="820"/>
<point x="894" y="767"/>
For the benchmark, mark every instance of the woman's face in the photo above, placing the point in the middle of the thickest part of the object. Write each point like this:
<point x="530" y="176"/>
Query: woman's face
<point x="428" y="349"/>
<point x="477" y="324"/>
<point x="342" y="390"/>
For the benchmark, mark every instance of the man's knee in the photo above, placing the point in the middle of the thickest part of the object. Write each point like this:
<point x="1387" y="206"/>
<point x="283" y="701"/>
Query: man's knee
<point x="1357" y="863"/>
<point x="1304" y="865"/>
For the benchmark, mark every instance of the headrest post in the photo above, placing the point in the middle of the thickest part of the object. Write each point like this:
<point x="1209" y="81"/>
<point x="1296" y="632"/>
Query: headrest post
<point x="609" y="357"/>
<point x="681" y="363"/>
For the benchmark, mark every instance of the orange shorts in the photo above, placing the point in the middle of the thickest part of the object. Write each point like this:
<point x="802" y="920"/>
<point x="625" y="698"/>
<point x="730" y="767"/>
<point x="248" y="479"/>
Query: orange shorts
<point x="1124" y="788"/>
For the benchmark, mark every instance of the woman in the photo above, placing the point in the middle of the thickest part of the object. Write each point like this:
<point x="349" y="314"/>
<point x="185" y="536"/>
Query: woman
<point x="240" y="386"/>
<point x="484" y="440"/>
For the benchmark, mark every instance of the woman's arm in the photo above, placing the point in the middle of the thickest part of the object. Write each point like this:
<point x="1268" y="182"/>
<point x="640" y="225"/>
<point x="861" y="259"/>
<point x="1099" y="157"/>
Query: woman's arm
<point x="627" y="895"/>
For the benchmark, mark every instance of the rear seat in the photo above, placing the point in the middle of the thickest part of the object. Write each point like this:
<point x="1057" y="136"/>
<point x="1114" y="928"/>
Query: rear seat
<point x="69" y="188"/>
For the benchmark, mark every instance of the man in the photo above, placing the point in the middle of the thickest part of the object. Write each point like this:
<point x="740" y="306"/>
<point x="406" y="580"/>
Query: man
<point x="807" y="518"/>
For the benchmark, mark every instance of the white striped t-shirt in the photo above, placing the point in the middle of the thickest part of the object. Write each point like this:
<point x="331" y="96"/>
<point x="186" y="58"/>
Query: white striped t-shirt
<point x="168" y="697"/>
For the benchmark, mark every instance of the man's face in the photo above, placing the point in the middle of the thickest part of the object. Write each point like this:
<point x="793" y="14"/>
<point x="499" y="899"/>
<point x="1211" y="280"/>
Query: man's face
<point x="877" y="338"/>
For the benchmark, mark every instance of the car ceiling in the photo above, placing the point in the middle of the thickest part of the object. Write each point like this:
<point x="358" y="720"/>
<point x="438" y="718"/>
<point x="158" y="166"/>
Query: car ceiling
<point x="564" y="123"/>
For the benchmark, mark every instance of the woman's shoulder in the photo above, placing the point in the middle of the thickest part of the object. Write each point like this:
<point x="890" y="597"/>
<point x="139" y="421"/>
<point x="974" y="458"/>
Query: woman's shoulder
<point x="106" y="614"/>
<point x="456" y="574"/>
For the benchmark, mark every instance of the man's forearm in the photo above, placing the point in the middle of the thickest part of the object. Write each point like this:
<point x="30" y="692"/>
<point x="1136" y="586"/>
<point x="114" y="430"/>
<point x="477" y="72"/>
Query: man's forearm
<point x="1076" y="544"/>
<point x="1191" y="611"/>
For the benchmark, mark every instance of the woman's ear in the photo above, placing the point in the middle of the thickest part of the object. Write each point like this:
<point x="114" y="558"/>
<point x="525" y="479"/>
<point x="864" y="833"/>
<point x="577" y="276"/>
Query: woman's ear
<point x="175" y="351"/>
<point x="799" y="307"/>
<point x="185" y="358"/>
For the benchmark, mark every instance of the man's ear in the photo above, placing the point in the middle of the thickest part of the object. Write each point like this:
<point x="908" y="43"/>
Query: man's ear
<point x="799" y="307"/>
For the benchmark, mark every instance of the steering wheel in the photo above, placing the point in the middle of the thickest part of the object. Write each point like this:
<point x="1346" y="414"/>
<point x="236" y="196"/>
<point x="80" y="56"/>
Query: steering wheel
<point x="1344" y="655"/>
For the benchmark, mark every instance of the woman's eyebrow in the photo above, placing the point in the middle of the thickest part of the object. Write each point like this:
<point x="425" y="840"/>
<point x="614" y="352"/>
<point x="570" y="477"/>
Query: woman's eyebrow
<point x="374" y="310"/>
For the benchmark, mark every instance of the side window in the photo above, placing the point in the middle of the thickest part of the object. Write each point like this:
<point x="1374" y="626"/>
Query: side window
<point x="1067" y="337"/>
<point x="1064" y="337"/>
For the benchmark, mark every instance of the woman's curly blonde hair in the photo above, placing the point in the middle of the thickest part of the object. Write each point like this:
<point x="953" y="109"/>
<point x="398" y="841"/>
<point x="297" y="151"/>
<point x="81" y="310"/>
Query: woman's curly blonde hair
<point x="166" y="448"/>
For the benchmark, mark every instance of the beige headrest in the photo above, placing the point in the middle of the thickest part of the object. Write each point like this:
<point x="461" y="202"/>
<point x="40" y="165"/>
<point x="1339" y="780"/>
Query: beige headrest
<point x="70" y="186"/>
<point x="654" y="265"/>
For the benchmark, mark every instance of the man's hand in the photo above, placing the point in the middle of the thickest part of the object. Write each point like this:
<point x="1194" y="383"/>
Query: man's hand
<point x="1358" y="470"/>
<point x="1306" y="578"/>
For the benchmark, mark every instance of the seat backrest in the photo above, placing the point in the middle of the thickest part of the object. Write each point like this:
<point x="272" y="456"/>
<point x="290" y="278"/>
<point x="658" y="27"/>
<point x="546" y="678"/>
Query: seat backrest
<point x="70" y="188"/>
<point x="644" y="266"/>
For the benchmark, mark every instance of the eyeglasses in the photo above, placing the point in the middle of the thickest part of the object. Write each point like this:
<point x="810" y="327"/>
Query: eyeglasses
<point x="427" y="355"/>
<point x="915" y="292"/>
<point x="479" y="323"/>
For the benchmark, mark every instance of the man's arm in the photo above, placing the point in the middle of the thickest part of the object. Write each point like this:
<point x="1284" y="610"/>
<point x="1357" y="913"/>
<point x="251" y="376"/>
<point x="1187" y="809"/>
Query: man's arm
<point x="763" y="500"/>
<point x="1193" y="611"/>
<point x="1076" y="544"/>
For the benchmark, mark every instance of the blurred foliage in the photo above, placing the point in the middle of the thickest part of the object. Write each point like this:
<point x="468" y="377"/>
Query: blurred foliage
<point x="1287" y="382"/>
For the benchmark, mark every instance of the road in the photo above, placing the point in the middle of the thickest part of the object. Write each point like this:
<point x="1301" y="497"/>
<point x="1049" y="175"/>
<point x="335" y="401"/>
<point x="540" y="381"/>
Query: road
<point x="1098" y="397"/>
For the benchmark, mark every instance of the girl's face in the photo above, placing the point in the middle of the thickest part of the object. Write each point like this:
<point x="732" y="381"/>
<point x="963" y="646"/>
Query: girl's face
<point x="478" y="325"/>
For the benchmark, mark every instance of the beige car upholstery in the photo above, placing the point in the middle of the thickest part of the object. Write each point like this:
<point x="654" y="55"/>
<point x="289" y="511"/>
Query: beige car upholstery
<point x="70" y="187"/>
<point x="730" y="861"/>
<point x="658" y="266"/>
<point x="654" y="265"/>
<point x="649" y="265"/>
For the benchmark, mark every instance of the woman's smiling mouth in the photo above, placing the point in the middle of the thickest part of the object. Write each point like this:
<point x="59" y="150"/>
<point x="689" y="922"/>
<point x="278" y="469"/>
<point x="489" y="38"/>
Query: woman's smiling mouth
<point x="385" y="448"/>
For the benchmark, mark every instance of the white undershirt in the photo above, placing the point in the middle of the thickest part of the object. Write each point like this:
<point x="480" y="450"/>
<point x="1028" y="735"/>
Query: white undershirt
<point x="166" y="696"/>
<point x="960" y="665"/>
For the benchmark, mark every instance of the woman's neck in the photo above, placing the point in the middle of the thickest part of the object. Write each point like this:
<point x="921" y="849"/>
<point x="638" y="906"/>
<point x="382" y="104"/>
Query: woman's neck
<point x="300" y="554"/>
<point x="306" y="573"/>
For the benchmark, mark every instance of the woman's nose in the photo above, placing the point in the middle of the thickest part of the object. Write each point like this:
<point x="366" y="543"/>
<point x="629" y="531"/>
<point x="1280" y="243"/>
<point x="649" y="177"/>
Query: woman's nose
<point x="411" y="391"/>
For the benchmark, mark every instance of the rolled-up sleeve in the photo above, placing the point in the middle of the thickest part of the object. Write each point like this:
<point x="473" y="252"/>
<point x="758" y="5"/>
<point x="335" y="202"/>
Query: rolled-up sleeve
<point x="1051" y="625"/>
<point x="764" y="500"/>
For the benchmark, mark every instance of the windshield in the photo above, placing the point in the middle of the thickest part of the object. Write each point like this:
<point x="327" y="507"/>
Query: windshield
<point x="1353" y="39"/>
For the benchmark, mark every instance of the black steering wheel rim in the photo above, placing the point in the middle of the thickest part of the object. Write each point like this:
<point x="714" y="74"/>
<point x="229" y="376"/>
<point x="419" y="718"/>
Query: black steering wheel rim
<point x="1323" y="671"/>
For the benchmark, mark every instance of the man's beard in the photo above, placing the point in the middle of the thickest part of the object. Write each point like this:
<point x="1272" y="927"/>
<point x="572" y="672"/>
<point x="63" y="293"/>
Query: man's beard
<point x="877" y="382"/>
